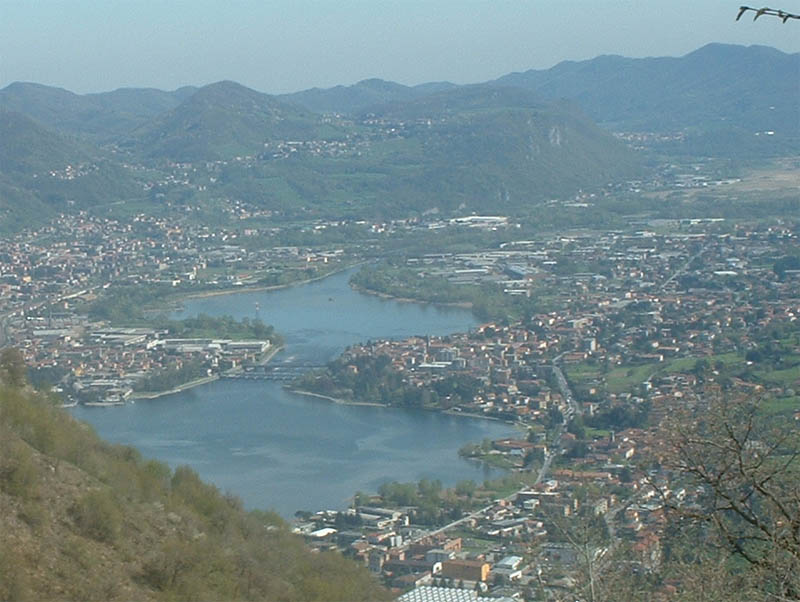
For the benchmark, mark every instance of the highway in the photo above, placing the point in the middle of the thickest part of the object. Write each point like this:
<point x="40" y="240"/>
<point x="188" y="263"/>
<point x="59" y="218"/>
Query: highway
<point x="563" y="387"/>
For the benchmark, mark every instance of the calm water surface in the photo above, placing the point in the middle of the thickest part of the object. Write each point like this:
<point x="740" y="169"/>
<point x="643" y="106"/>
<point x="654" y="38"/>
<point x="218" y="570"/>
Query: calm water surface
<point x="279" y="450"/>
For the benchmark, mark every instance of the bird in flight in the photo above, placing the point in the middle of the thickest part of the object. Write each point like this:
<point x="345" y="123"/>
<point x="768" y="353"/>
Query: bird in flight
<point x="783" y="16"/>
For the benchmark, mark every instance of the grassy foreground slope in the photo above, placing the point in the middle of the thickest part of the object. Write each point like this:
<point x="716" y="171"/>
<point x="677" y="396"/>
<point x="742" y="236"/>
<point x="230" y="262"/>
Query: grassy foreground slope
<point x="81" y="519"/>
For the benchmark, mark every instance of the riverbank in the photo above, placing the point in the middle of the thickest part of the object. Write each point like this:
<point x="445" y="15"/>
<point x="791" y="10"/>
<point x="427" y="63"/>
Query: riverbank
<point x="201" y="381"/>
<point x="336" y="400"/>
<point x="192" y="383"/>
<point x="369" y="291"/>
<point x="456" y="412"/>
<point x="350" y="402"/>
<point x="256" y="288"/>
<point x="273" y="351"/>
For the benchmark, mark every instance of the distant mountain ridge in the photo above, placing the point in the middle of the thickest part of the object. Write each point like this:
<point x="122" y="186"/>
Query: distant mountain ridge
<point x="104" y="114"/>
<point x="366" y="93"/>
<point x="382" y="148"/>
<point x="749" y="86"/>
<point x="753" y="87"/>
<point x="222" y="120"/>
<point x="453" y="149"/>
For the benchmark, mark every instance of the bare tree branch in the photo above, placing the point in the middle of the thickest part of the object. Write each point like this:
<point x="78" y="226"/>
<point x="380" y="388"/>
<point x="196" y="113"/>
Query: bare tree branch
<point x="744" y="466"/>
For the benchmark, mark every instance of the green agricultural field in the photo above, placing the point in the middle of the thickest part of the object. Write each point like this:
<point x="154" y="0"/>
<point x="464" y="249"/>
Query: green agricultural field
<point x="787" y="377"/>
<point x="781" y="405"/>
<point x="626" y="378"/>
<point x="583" y="373"/>
<point x="593" y="433"/>
<point x="622" y="380"/>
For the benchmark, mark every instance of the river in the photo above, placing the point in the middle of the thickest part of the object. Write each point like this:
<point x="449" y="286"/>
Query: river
<point x="279" y="450"/>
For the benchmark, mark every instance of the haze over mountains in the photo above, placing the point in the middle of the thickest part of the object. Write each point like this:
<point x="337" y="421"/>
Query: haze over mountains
<point x="753" y="86"/>
<point x="381" y="148"/>
<point x="103" y="114"/>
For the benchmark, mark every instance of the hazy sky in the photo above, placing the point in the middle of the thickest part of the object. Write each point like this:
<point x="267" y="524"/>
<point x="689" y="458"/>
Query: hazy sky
<point x="287" y="45"/>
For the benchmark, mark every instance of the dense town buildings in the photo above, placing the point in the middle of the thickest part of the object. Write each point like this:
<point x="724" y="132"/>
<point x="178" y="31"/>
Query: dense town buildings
<point x="657" y="324"/>
<point x="636" y="324"/>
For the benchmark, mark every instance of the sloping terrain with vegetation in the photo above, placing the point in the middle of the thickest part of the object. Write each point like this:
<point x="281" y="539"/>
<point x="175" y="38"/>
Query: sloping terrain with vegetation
<point x="99" y="116"/>
<point x="81" y="519"/>
<point x="719" y="96"/>
<point x="451" y="150"/>
<point x="221" y="121"/>
<point x="43" y="172"/>
<point x="381" y="149"/>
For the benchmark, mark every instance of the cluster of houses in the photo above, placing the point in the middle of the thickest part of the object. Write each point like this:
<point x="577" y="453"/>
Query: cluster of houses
<point x="104" y="366"/>
<point x="667" y="304"/>
<point x="79" y="255"/>
<point x="663" y="298"/>
<point x="49" y="277"/>
<point x="509" y="546"/>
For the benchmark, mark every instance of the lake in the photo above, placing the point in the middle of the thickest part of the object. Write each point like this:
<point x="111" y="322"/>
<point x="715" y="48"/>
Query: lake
<point x="279" y="450"/>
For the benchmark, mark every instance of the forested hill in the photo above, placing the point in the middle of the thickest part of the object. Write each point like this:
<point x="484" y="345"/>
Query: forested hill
<point x="102" y="115"/>
<point x="360" y="96"/>
<point x="81" y="519"/>
<point x="223" y="120"/>
<point x="45" y="171"/>
<point x="456" y="149"/>
<point x="718" y="85"/>
<point x="379" y="149"/>
<point x="721" y="98"/>
<point x="753" y="87"/>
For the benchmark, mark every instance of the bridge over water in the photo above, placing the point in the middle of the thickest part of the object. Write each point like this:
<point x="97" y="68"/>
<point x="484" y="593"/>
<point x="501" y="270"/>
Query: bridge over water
<point x="284" y="372"/>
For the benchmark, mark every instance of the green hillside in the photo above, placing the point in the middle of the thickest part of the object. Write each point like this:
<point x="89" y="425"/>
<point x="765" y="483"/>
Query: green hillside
<point x="501" y="147"/>
<point x="27" y="156"/>
<point x="720" y="94"/>
<point x="43" y="172"/>
<point x="81" y="519"/>
<point x="29" y="148"/>
<point x="385" y="149"/>
<point x="468" y="148"/>
<point x="98" y="116"/>
<point x="360" y="96"/>
<point x="221" y="121"/>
